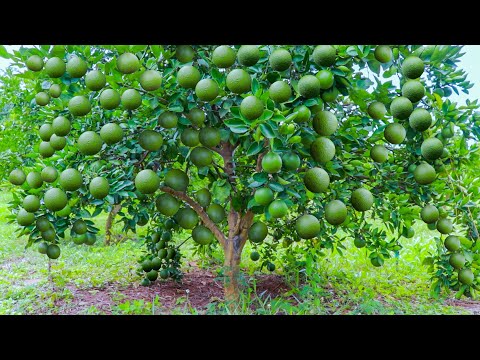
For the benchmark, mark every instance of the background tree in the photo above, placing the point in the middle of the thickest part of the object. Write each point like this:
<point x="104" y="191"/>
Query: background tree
<point x="303" y="146"/>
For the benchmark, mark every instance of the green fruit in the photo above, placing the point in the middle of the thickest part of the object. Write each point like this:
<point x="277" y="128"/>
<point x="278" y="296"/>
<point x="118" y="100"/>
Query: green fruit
<point x="248" y="55"/>
<point x="326" y="79"/>
<point x="45" y="132"/>
<point x="432" y="226"/>
<point x="257" y="232"/>
<point x="187" y="218"/>
<point x="448" y="131"/>
<point x="202" y="235"/>
<point x="379" y="153"/>
<point x="89" y="143"/>
<point x="99" y="187"/>
<point x="359" y="242"/>
<point x="110" y="99"/>
<point x="131" y="99"/>
<point x="61" y="126"/>
<point x="111" y="133"/>
<point x="91" y="239"/>
<point x="376" y="110"/>
<point x="457" y="260"/>
<point x="307" y="226"/>
<point x="413" y="90"/>
<point x="79" y="227"/>
<point x="34" y="180"/>
<point x="166" y="236"/>
<point x="31" y="203"/>
<point x="168" y="120"/>
<point x="254" y="256"/>
<point x="335" y="212"/>
<point x="325" y="123"/>
<point x="128" y="63"/>
<point x="45" y="149"/>
<point x="362" y="199"/>
<point x="177" y="180"/>
<point x="79" y="239"/>
<point x="156" y="263"/>
<point x="278" y="209"/>
<point x="271" y="163"/>
<point x="465" y="276"/>
<point x="162" y="253"/>
<point x="270" y="266"/>
<point x="49" y="174"/>
<point x="150" y="80"/>
<point x="251" y="107"/>
<point x="432" y="148"/>
<point x="42" y="98"/>
<point x="280" y="91"/>
<point x="207" y="90"/>
<point x="383" y="53"/>
<point x="330" y="95"/>
<point x="401" y="108"/>
<point x="223" y="56"/>
<point x="95" y="80"/>
<point x="303" y="115"/>
<point x="169" y="224"/>
<point x="280" y="60"/>
<point x="53" y="251"/>
<point x="420" y="119"/>
<point x="76" y="67"/>
<point x="150" y="140"/>
<point x="65" y="211"/>
<point x="377" y="261"/>
<point x="147" y="181"/>
<point x="55" y="91"/>
<point x="145" y="282"/>
<point x="239" y="81"/>
<point x="70" y="179"/>
<point x="196" y="117"/>
<point x="263" y="196"/>
<point x="43" y="224"/>
<point x="25" y="218"/>
<point x="188" y="77"/>
<point x="216" y="213"/>
<point x="55" y="67"/>
<point x="322" y="149"/>
<point x="156" y="238"/>
<point x="316" y="180"/>
<point x="452" y="243"/>
<point x="429" y="214"/>
<point x="49" y="234"/>
<point x="291" y="161"/>
<point x="209" y="137"/>
<point x="79" y="106"/>
<point x="203" y="197"/>
<point x="34" y="63"/>
<point x="201" y="156"/>
<point x="17" y="177"/>
<point x="189" y="137"/>
<point x="146" y="265"/>
<point x="164" y="274"/>
<point x="424" y="174"/>
<point x="58" y="142"/>
<point x="394" y="133"/>
<point x="184" y="53"/>
<point x="444" y="226"/>
<point x="152" y="275"/>
<point x="324" y="55"/>
<point x="413" y="67"/>
<point x="410" y="232"/>
<point x="309" y="86"/>
<point x="42" y="247"/>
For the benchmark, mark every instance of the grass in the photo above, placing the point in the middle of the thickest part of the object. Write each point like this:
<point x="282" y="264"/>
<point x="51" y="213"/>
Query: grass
<point x="334" y="285"/>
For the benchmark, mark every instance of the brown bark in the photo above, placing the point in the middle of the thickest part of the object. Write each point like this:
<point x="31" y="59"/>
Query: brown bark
<point x="109" y="223"/>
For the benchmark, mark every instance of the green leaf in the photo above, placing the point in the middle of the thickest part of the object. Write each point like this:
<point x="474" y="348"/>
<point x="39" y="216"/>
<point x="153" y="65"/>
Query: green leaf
<point x="254" y="148"/>
<point x="267" y="131"/>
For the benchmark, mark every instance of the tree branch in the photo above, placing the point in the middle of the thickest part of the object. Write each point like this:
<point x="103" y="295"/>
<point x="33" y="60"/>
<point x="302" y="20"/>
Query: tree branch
<point x="199" y="210"/>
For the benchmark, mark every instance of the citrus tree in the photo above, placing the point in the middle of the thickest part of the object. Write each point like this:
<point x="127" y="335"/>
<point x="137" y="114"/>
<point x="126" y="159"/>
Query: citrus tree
<point x="292" y="145"/>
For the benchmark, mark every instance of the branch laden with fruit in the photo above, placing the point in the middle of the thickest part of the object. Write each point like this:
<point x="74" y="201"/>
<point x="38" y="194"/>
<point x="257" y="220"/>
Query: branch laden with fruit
<point x="307" y="145"/>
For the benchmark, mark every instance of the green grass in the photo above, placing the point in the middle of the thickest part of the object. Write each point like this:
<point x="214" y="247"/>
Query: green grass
<point x="334" y="285"/>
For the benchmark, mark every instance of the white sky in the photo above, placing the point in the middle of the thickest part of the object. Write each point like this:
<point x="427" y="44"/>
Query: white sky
<point x="469" y="62"/>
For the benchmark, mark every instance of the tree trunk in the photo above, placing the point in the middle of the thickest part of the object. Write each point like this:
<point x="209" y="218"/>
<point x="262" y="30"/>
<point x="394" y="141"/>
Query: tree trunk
<point x="109" y="223"/>
<point x="232" y="272"/>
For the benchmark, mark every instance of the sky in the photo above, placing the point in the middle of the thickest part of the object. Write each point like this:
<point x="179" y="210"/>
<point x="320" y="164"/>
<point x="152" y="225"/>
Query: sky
<point x="469" y="62"/>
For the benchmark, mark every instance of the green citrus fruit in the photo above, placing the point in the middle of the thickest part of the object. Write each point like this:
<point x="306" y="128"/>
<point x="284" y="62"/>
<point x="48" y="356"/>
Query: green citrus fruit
<point x="71" y="179"/>
<point x="377" y="261"/>
<point x="43" y="224"/>
<point x="413" y="67"/>
<point x="61" y="126"/>
<point x="383" y="53"/>
<point x="167" y="204"/>
<point x="168" y="120"/>
<point x="280" y="60"/>
<point x="270" y="266"/>
<point x="156" y="263"/>
<point x="254" y="256"/>
<point x="326" y="79"/>
<point x="131" y="99"/>
<point x="55" y="91"/>
<point x="376" y="110"/>
<point x="465" y="276"/>
<point x="55" y="199"/>
<point x="42" y="98"/>
<point x="203" y="197"/>
<point x="79" y="239"/>
<point x="42" y="247"/>
<point x="444" y="226"/>
<point x="202" y="235"/>
<point x="452" y="243"/>
<point x="164" y="274"/>
<point x="111" y="133"/>
<point x="325" y="123"/>
<point x="184" y="53"/>
<point x="271" y="163"/>
<point x="429" y="214"/>
<point x="248" y="55"/>
<point x="49" y="234"/>
<point x="420" y="119"/>
<point x="147" y="181"/>
<point x="187" y="218"/>
<point x="263" y="196"/>
<point x="207" y="90"/>
<point x="34" y="180"/>
<point x="146" y="265"/>
<point x="45" y="149"/>
<point x="53" y="251"/>
<point x="95" y="80"/>
<point x="291" y="161"/>
<point x="189" y="137"/>
<point x="401" y="108"/>
<point x="89" y="143"/>
<point x="223" y="56"/>
<point x="196" y="117"/>
<point x="150" y="140"/>
<point x="307" y="226"/>
<point x="413" y="90"/>
<point x="31" y="203"/>
<point x="45" y="132"/>
<point x="34" y="63"/>
<point x="457" y="260"/>
<point x="409" y="233"/>
<point x="99" y="187"/>
<point x="359" y="242"/>
<point x="316" y="180"/>
<point x="432" y="148"/>
<point x="322" y="149"/>
<point x="79" y="227"/>
<point x="67" y="210"/>
<point x="278" y="208"/>
<point x="330" y="95"/>
<point x="257" y="232"/>
<point x="379" y="153"/>
<point x="424" y="174"/>
<point x="394" y="133"/>
<point x="280" y="91"/>
<point x="362" y="199"/>
<point x="49" y="174"/>
<point x="17" y="177"/>
<point x="201" y="156"/>
<point x="76" y="67"/>
<point x="216" y="213"/>
<point x="209" y="137"/>
<point x="177" y="180"/>
<point x="145" y="282"/>
<point x="188" y="77"/>
<point x="25" y="218"/>
<point x="303" y="115"/>
<point x="109" y="99"/>
<point x="335" y="212"/>
<point x="58" y="142"/>
<point x="79" y="106"/>
<point x="309" y="86"/>
<point x="55" y="67"/>
<point x="128" y="63"/>
<point x="152" y="275"/>
<point x="324" y="55"/>
<point x="150" y="80"/>
<point x="239" y="81"/>
<point x="251" y="107"/>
